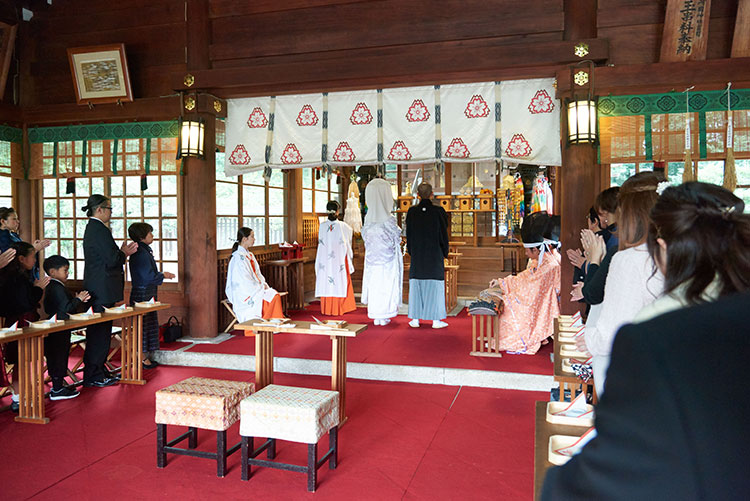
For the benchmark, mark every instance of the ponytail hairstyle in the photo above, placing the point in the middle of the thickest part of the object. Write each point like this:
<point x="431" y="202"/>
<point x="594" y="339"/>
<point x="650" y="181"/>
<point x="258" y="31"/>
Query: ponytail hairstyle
<point x="24" y="249"/>
<point x="243" y="232"/>
<point x="94" y="202"/>
<point x="333" y="207"/>
<point x="707" y="236"/>
<point x="636" y="199"/>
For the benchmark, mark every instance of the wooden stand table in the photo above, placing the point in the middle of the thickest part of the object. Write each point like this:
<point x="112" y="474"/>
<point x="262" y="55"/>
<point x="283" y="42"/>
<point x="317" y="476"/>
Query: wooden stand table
<point x="542" y="431"/>
<point x="264" y="352"/>
<point x="288" y="275"/>
<point x="31" y="357"/>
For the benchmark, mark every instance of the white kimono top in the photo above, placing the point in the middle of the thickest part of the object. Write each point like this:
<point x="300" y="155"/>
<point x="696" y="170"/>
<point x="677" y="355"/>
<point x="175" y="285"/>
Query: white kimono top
<point x="382" y="280"/>
<point x="247" y="288"/>
<point x="334" y="253"/>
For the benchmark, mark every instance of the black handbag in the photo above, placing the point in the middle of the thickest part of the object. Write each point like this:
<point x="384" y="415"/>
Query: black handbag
<point x="171" y="331"/>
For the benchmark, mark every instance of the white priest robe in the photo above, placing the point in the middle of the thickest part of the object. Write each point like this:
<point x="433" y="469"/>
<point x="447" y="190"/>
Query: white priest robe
<point x="382" y="279"/>
<point x="333" y="257"/>
<point x="247" y="288"/>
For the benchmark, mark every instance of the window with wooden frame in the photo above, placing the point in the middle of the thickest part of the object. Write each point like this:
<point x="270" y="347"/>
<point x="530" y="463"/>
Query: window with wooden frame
<point x="64" y="221"/>
<point x="248" y="200"/>
<point x="6" y="181"/>
<point x="317" y="189"/>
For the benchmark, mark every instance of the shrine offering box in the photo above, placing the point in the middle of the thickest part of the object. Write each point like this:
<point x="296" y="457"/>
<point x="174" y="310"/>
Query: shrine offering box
<point x="445" y="201"/>
<point x="405" y="202"/>
<point x="465" y="202"/>
<point x="485" y="202"/>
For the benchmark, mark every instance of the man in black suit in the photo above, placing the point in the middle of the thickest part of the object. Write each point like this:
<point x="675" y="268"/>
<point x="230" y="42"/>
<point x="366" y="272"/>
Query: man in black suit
<point x="427" y="243"/>
<point x="673" y="423"/>
<point x="104" y="279"/>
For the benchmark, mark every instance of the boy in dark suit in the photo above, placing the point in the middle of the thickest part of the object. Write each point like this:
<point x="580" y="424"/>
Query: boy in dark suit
<point x="58" y="300"/>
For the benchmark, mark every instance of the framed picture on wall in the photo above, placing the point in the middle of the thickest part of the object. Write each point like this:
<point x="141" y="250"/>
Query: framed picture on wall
<point x="100" y="74"/>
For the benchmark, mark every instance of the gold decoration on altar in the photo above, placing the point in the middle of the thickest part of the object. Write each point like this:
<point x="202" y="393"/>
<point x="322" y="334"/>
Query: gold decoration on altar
<point x="190" y="103"/>
<point x="217" y="106"/>
<point x="581" y="78"/>
<point x="581" y="49"/>
<point x="189" y="80"/>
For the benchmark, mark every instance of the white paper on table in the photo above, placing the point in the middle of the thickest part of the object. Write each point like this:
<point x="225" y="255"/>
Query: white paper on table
<point x="580" y="331"/>
<point x="151" y="301"/>
<point x="577" y="322"/>
<point x="576" y="409"/>
<point x="50" y="320"/>
<point x="90" y="311"/>
<point x="577" y="315"/>
<point x="576" y="447"/>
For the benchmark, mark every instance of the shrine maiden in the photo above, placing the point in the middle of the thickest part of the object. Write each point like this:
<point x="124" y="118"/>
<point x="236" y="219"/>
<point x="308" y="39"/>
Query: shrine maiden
<point x="333" y="264"/>
<point x="530" y="298"/>
<point x="246" y="289"/>
<point x="382" y="279"/>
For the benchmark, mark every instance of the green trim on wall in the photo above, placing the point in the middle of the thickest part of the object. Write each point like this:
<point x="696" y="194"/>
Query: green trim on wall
<point x="702" y="150"/>
<point x="671" y="102"/>
<point x="11" y="134"/>
<point x="133" y="130"/>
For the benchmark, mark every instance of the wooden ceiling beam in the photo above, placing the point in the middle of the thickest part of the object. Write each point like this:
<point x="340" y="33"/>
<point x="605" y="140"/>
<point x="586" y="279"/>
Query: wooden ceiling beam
<point x="147" y="109"/>
<point x="390" y="66"/>
<point x="712" y="74"/>
<point x="741" y="41"/>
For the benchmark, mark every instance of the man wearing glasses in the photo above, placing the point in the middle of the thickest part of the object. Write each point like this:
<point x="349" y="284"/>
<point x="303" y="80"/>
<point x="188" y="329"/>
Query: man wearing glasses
<point x="104" y="278"/>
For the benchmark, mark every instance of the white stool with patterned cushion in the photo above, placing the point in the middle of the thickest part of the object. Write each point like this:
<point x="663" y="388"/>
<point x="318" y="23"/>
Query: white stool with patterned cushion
<point x="293" y="414"/>
<point x="196" y="402"/>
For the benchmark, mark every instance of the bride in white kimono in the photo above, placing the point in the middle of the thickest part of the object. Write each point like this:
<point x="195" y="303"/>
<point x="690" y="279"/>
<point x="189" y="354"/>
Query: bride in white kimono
<point x="333" y="265"/>
<point x="246" y="289"/>
<point x="382" y="280"/>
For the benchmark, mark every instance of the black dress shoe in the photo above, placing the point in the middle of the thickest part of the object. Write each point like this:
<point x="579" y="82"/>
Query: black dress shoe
<point x="101" y="383"/>
<point x="152" y="365"/>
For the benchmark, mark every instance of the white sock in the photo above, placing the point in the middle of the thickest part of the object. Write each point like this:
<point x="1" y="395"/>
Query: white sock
<point x="14" y="397"/>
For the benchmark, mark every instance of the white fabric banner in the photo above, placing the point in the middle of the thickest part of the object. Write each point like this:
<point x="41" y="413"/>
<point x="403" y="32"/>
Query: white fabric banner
<point x="530" y="122"/>
<point x="246" y="134"/>
<point x="297" y="131"/>
<point x="409" y="125"/>
<point x="467" y="116"/>
<point x="353" y="128"/>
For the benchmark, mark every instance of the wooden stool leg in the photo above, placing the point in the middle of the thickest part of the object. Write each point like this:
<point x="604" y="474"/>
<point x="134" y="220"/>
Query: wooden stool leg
<point x="193" y="438"/>
<point x="312" y="471"/>
<point x="221" y="453"/>
<point x="333" y="439"/>
<point x="247" y="444"/>
<point x="161" y="441"/>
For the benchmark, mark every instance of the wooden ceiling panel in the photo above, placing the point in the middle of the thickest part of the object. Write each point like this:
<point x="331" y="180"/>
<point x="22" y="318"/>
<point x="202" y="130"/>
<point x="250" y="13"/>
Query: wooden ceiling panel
<point x="225" y="8"/>
<point x="378" y="24"/>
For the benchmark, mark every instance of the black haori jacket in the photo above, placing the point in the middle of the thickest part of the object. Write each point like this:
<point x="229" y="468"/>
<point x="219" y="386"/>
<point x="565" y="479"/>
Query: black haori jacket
<point x="427" y="240"/>
<point x="103" y="275"/>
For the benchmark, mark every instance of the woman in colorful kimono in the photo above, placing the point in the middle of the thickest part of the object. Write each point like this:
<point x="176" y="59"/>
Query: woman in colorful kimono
<point x="246" y="289"/>
<point x="333" y="264"/>
<point x="531" y="298"/>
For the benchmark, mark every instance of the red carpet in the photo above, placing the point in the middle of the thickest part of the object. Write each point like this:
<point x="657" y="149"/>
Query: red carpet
<point x="402" y="441"/>
<point x="395" y="344"/>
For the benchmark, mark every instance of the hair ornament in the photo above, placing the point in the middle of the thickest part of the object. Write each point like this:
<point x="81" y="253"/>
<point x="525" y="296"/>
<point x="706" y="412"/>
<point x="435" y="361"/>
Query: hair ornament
<point x="661" y="187"/>
<point x="727" y="211"/>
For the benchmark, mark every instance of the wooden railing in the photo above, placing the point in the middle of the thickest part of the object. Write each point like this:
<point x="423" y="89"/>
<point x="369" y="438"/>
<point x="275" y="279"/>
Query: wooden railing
<point x="310" y="226"/>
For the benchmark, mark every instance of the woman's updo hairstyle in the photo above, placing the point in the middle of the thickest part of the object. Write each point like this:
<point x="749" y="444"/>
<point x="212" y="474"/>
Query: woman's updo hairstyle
<point x="636" y="199"/>
<point x="332" y="207"/>
<point x="707" y="236"/>
<point x="243" y="232"/>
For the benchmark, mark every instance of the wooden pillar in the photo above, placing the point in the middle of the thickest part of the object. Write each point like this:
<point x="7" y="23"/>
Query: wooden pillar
<point x="201" y="286"/>
<point x="293" y="201"/>
<point x="578" y="189"/>
<point x="579" y="175"/>
<point x="199" y="207"/>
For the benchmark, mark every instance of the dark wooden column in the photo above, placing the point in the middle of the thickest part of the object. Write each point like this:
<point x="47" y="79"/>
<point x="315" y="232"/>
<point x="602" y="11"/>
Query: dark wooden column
<point x="201" y="284"/>
<point x="199" y="206"/>
<point x="579" y="173"/>
<point x="293" y="201"/>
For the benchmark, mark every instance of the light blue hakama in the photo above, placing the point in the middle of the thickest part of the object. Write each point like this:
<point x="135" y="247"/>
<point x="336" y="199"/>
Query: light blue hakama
<point x="426" y="299"/>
